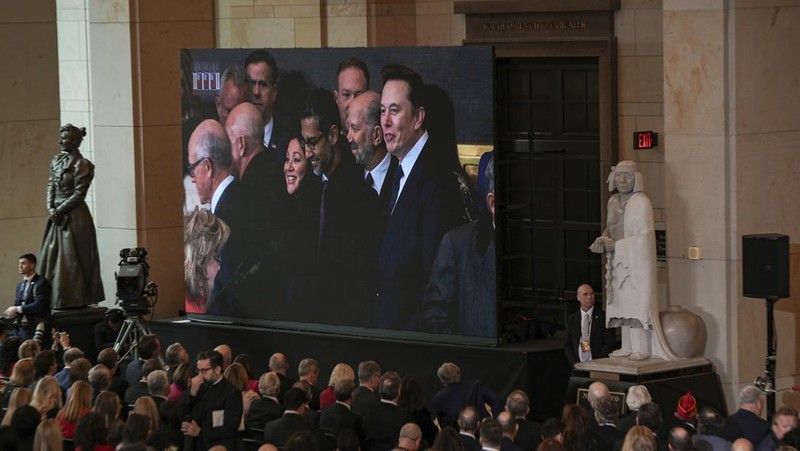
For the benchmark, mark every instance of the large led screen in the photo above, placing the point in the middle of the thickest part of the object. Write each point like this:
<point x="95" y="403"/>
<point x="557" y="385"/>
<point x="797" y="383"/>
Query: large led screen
<point x="324" y="191"/>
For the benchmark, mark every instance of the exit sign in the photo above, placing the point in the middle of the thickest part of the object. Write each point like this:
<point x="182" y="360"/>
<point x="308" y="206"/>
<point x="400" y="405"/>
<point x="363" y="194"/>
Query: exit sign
<point x="645" y="140"/>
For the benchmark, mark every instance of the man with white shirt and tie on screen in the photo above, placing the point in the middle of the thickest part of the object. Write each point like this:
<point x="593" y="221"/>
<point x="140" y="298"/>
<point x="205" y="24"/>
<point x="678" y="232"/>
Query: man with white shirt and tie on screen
<point x="587" y="335"/>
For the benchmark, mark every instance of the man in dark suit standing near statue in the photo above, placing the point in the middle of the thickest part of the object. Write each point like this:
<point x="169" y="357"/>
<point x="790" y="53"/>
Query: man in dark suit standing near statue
<point x="587" y="335"/>
<point x="31" y="300"/>
<point x="425" y="202"/>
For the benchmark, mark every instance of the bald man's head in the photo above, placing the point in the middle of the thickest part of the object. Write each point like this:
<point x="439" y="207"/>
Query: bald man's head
<point x="596" y="391"/>
<point x="245" y="130"/>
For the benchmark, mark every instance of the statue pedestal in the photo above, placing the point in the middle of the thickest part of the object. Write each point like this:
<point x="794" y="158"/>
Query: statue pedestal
<point x="666" y="381"/>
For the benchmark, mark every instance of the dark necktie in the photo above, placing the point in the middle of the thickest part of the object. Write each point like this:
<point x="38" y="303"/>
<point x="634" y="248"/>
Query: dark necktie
<point x="395" y="187"/>
<point x="370" y="180"/>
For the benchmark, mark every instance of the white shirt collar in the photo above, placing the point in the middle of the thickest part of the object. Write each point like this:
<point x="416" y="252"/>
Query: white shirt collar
<point x="379" y="172"/>
<point x="389" y="402"/>
<point x="589" y="312"/>
<point x="218" y="192"/>
<point x="344" y="404"/>
<point x="409" y="160"/>
<point x="268" y="131"/>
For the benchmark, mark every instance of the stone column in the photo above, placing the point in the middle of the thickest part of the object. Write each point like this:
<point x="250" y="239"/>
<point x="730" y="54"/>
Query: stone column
<point x="29" y="122"/>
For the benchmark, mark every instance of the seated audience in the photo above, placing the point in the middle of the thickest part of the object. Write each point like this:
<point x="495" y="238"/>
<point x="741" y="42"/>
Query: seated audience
<point x="92" y="433"/>
<point x="47" y="437"/>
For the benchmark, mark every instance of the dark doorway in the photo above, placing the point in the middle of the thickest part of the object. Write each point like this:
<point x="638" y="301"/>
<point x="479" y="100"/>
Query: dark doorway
<point x="548" y="169"/>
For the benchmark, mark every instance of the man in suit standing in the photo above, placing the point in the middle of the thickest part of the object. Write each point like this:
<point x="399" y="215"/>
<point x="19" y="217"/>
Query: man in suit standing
<point x="457" y="394"/>
<point x="587" y="335"/>
<point x="211" y="408"/>
<point x="31" y="300"/>
<point x="747" y="422"/>
<point x="261" y="173"/>
<point x="425" y="202"/>
<point x="264" y="77"/>
<point x="349" y="216"/>
<point x="510" y="429"/>
<point x="211" y="169"/>
<point x="382" y="424"/>
<point x="461" y="294"/>
<point x="366" y="142"/>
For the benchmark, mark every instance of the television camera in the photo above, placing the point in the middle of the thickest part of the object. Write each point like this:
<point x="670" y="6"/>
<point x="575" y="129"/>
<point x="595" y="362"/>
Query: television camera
<point x="137" y="296"/>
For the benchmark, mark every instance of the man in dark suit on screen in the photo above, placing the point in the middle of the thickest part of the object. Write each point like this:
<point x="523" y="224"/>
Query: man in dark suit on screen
<point x="212" y="171"/>
<point x="587" y="335"/>
<point x="425" y="202"/>
<point x="264" y="76"/>
<point x="349" y="215"/>
<point x="461" y="294"/>
<point x="366" y="142"/>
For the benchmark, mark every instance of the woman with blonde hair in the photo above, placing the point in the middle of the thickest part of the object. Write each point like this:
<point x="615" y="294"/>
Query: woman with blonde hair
<point x="236" y="374"/>
<point x="48" y="437"/>
<point x="146" y="407"/>
<point x="47" y="397"/>
<point x="21" y="376"/>
<point x="340" y="371"/>
<point x="20" y="397"/>
<point x="108" y="405"/>
<point x="639" y="438"/>
<point x="204" y="235"/>
<point x="78" y="405"/>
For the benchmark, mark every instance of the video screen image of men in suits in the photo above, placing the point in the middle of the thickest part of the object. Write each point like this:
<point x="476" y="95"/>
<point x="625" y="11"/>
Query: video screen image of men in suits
<point x="324" y="187"/>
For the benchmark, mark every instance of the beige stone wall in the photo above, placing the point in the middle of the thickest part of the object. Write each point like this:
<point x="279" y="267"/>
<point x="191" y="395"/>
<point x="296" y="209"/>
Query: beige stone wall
<point x="29" y="121"/>
<point x="730" y="167"/>
<point x="765" y="168"/>
<point x="337" y="23"/>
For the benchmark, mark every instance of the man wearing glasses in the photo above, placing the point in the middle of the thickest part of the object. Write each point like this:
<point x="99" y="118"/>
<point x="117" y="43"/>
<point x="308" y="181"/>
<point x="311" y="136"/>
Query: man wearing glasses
<point x="212" y="407"/>
<point x="349" y="214"/>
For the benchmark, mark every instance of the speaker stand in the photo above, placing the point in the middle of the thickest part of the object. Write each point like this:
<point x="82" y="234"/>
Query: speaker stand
<point x="769" y="363"/>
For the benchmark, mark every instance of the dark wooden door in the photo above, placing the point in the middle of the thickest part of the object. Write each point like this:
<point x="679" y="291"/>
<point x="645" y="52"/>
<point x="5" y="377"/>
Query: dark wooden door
<point x="548" y="172"/>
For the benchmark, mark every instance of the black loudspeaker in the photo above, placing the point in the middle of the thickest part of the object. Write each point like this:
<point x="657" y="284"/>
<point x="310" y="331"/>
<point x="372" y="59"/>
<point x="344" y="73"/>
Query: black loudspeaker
<point x="765" y="266"/>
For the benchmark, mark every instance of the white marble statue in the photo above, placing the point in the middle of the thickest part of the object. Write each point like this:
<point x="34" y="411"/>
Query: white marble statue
<point x="630" y="249"/>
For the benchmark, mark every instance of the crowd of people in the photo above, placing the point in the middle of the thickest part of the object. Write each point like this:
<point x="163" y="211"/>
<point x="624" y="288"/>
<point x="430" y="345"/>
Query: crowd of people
<point x="55" y="398"/>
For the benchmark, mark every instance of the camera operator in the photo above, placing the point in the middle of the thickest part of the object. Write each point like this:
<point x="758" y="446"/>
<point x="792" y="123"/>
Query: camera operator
<point x="31" y="302"/>
<point x="106" y="331"/>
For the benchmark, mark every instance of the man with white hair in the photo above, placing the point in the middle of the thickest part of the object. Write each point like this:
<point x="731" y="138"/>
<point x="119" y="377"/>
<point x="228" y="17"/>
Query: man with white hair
<point x="410" y="437"/>
<point x="747" y="422"/>
<point x="637" y="395"/>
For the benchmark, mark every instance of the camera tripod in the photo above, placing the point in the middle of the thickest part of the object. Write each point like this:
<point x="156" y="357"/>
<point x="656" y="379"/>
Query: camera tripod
<point x="132" y="330"/>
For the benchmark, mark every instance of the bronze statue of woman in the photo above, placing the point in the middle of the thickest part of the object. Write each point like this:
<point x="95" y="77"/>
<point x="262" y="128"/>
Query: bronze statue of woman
<point x="69" y="256"/>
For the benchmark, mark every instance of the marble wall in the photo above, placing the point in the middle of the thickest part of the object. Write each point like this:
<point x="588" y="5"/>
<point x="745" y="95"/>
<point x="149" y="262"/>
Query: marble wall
<point x="337" y="23"/>
<point x="29" y="122"/>
<point x="730" y="168"/>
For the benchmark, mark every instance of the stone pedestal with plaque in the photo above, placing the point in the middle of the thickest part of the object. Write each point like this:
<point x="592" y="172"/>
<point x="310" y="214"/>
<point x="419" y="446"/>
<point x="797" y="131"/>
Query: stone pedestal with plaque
<point x="666" y="381"/>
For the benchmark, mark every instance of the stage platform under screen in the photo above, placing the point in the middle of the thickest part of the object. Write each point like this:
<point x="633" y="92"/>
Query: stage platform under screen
<point x="536" y="366"/>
